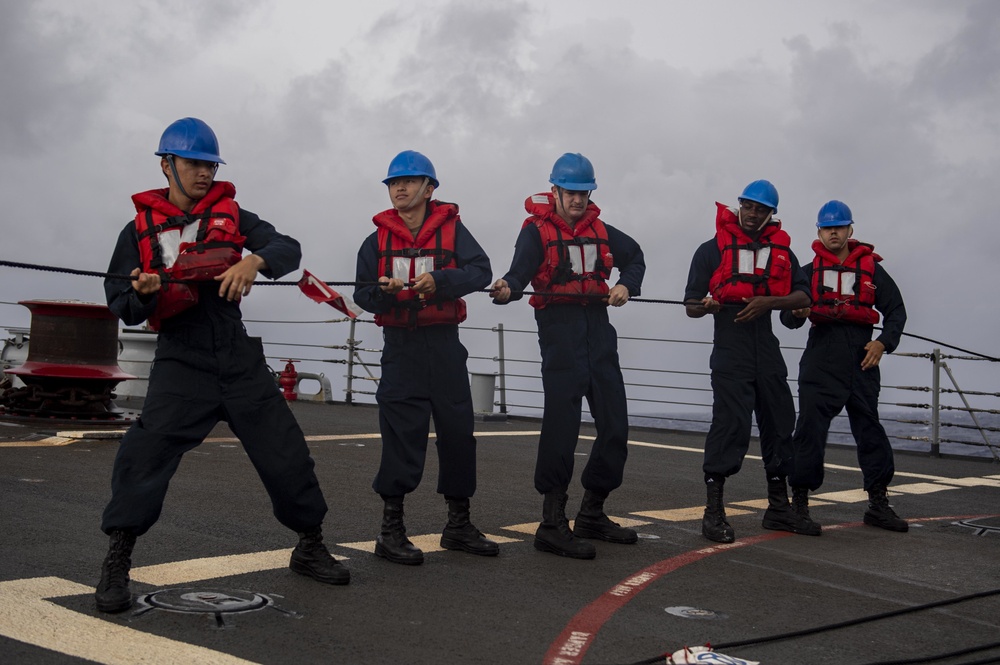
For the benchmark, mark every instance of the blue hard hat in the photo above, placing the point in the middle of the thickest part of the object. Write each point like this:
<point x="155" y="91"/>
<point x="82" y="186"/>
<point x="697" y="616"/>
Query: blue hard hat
<point x="190" y="138"/>
<point x="761" y="191"/>
<point x="834" y="213"/>
<point x="574" y="172"/>
<point x="410" y="163"/>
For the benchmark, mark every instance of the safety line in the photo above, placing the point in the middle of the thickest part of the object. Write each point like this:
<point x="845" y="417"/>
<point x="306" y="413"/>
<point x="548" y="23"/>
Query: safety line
<point x="861" y="620"/>
<point x="585" y="296"/>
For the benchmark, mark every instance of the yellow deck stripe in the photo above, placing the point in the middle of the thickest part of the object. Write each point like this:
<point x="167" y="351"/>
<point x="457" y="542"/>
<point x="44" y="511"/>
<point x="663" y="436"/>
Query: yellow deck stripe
<point x="26" y="616"/>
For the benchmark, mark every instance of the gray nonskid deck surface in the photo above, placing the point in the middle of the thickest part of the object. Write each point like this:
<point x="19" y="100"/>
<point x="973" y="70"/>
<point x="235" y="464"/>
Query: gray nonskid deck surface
<point x="217" y="536"/>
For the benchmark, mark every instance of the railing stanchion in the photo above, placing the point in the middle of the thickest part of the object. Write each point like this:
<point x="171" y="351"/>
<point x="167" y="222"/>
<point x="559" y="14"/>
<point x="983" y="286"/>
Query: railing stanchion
<point x="936" y="404"/>
<point x="351" y="344"/>
<point x="503" y="372"/>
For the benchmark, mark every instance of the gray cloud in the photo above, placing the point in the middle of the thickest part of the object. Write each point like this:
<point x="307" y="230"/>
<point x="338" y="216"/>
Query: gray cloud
<point x="46" y="99"/>
<point x="493" y="94"/>
<point x="965" y="68"/>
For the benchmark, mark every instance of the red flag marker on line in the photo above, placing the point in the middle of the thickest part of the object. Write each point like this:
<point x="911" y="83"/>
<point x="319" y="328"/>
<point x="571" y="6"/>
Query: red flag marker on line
<point x="319" y="291"/>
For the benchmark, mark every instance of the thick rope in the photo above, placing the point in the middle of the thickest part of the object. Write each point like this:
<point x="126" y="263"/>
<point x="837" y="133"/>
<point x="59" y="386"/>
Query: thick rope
<point x="585" y="296"/>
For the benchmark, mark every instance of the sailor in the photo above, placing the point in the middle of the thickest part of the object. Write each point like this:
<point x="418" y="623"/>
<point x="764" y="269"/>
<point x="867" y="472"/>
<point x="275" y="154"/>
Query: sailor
<point x="840" y="365"/>
<point x="566" y="253"/>
<point x="206" y="367"/>
<point x="747" y="270"/>
<point x="424" y="259"/>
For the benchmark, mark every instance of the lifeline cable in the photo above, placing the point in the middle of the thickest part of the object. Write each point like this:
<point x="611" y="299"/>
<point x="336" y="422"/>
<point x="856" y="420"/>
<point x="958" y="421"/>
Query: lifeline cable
<point x="92" y="273"/>
<point x="855" y="622"/>
<point x="943" y="656"/>
<point x="860" y="620"/>
<point x="926" y="339"/>
<point x="163" y="278"/>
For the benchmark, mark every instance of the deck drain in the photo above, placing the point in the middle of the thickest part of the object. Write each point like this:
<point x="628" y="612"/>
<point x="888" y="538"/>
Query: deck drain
<point x="695" y="613"/>
<point x="214" y="602"/>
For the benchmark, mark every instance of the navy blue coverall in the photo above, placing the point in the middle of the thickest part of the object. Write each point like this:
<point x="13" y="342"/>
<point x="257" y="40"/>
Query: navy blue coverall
<point x="831" y="378"/>
<point x="749" y="377"/>
<point x="579" y="349"/>
<point x="424" y="376"/>
<point x="206" y="369"/>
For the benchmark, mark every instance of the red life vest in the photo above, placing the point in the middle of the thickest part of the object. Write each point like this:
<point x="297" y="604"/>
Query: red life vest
<point x="577" y="260"/>
<point x="761" y="267"/>
<point x="404" y="257"/>
<point x="197" y="245"/>
<point x="844" y="291"/>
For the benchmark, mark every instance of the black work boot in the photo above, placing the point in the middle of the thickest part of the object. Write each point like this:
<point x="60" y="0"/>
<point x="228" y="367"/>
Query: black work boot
<point x="779" y="515"/>
<point x="392" y="543"/>
<point x="881" y="514"/>
<point x="113" y="592"/>
<point x="553" y="534"/>
<point x="460" y="534"/>
<point x="311" y="558"/>
<point x="800" y="504"/>
<point x="714" y="525"/>
<point x="591" y="522"/>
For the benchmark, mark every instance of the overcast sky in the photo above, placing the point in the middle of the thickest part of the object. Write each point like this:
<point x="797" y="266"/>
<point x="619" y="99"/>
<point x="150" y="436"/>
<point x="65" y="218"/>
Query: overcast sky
<point x="889" y="106"/>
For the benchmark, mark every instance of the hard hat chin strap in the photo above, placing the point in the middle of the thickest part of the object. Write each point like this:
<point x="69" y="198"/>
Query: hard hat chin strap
<point x="177" y="180"/>
<point x="562" y="202"/>
<point x="739" y="215"/>
<point x="418" y="197"/>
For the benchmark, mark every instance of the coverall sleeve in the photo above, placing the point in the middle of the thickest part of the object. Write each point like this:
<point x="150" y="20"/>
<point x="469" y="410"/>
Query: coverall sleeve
<point x="629" y="260"/>
<point x="281" y="253"/>
<point x="124" y="301"/>
<point x="472" y="270"/>
<point x="527" y="258"/>
<point x="786" y="317"/>
<point x="889" y="301"/>
<point x="704" y="262"/>
<point x="799" y="280"/>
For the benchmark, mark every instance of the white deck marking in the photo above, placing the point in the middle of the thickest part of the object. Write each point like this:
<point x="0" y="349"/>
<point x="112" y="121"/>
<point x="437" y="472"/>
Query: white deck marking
<point x="628" y="521"/>
<point x="685" y="514"/>
<point x="665" y="446"/>
<point x="26" y="616"/>
<point x="974" y="480"/>
<point x="846" y="496"/>
<point x="47" y="442"/>
<point x="970" y="482"/>
<point x="195" y="570"/>
<point x="429" y="542"/>
<point x="920" y="488"/>
<point x="759" y="504"/>
<point x="94" y="434"/>
<point x="529" y="528"/>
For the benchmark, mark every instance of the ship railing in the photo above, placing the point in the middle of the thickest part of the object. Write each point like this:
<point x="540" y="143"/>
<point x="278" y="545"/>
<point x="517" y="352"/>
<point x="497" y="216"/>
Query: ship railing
<point x="681" y="396"/>
<point x="667" y="382"/>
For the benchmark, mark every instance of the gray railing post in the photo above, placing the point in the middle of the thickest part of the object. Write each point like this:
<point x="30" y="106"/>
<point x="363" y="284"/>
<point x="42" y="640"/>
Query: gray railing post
<point x="349" y="393"/>
<point x="936" y="404"/>
<point x="503" y="373"/>
<point x="971" y="412"/>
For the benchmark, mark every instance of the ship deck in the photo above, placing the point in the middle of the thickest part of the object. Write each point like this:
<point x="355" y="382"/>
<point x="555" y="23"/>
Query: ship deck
<point x="214" y="587"/>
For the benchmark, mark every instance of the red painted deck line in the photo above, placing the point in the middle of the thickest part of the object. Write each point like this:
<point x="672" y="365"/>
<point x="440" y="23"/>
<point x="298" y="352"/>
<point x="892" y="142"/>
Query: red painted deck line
<point x="572" y="643"/>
